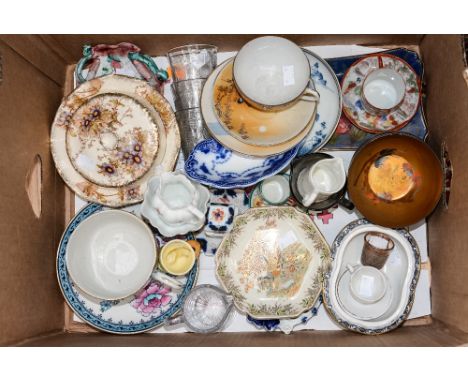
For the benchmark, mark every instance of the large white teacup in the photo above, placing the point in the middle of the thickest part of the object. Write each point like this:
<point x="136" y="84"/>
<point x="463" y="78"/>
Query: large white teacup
<point x="323" y="179"/>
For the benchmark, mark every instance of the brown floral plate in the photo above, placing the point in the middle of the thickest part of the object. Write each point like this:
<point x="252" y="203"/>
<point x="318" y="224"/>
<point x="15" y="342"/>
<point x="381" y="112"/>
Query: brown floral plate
<point x="112" y="140"/>
<point x="110" y="136"/>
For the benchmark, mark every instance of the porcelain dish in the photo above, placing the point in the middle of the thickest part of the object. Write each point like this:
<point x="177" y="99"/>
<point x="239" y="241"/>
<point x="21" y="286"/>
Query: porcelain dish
<point x="253" y="126"/>
<point x="147" y="309"/>
<point x="375" y="122"/>
<point x="214" y="165"/>
<point x="402" y="271"/>
<point x="395" y="180"/>
<point x="271" y="262"/>
<point x="161" y="114"/>
<point x="111" y="140"/>
<point x="111" y="255"/>
<point x="328" y="109"/>
<point x="165" y="224"/>
<point x="217" y="131"/>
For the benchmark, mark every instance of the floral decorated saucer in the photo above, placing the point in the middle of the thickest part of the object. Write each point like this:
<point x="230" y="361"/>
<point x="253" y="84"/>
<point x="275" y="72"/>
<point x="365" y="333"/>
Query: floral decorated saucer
<point x="111" y="140"/>
<point x="100" y="161"/>
<point x="218" y="132"/>
<point x="254" y="126"/>
<point x="214" y="165"/>
<point x="354" y="106"/>
<point x="272" y="261"/>
<point x="144" y="311"/>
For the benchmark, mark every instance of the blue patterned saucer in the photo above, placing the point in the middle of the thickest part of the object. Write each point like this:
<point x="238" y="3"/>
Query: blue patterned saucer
<point x="144" y="311"/>
<point x="286" y="325"/>
<point x="212" y="164"/>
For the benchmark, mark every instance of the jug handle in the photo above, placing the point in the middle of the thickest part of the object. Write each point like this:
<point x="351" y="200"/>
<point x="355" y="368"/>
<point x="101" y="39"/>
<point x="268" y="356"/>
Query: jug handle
<point x="160" y="74"/>
<point x="346" y="203"/>
<point x="87" y="56"/>
<point x="309" y="199"/>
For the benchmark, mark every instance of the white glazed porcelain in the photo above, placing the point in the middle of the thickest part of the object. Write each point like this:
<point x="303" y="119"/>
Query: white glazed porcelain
<point x="271" y="71"/>
<point x="401" y="270"/>
<point x="175" y="205"/>
<point x="384" y="88"/>
<point x="367" y="284"/>
<point x="326" y="177"/>
<point x="357" y="309"/>
<point x="111" y="255"/>
<point x="275" y="190"/>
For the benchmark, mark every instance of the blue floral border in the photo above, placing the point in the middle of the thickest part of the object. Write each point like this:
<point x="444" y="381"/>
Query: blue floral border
<point x="78" y="306"/>
<point x="326" y="283"/>
<point x="273" y="165"/>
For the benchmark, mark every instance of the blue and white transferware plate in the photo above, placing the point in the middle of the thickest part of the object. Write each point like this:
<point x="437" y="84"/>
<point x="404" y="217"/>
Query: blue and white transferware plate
<point x="286" y="325"/>
<point x="329" y="107"/>
<point x="212" y="164"/>
<point x="401" y="270"/>
<point x="144" y="311"/>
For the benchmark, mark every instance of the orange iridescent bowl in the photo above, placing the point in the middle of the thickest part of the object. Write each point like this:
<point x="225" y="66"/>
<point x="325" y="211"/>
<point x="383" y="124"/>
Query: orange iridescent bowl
<point x="395" y="180"/>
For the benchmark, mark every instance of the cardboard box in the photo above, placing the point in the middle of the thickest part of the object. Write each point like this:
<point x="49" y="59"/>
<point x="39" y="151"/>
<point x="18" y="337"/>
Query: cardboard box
<point x="36" y="71"/>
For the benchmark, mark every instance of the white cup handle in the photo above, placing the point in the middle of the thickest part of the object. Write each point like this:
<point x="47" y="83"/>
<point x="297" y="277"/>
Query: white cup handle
<point x="195" y="212"/>
<point x="309" y="198"/>
<point x="310" y="95"/>
<point x="350" y="268"/>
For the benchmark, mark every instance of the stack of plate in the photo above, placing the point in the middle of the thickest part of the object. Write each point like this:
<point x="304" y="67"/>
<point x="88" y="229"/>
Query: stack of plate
<point x="110" y="136"/>
<point x="250" y="133"/>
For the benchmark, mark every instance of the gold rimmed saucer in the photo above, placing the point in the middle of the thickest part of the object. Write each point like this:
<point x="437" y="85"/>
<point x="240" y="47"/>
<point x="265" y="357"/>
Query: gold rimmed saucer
<point x="251" y="125"/>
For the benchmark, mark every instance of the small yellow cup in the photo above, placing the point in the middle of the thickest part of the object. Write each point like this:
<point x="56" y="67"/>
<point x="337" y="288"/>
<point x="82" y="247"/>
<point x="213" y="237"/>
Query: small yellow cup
<point x="177" y="257"/>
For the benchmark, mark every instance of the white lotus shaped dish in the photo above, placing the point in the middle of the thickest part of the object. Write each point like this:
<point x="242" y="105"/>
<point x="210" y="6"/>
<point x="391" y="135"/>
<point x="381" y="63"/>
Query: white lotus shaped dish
<point x="272" y="262"/>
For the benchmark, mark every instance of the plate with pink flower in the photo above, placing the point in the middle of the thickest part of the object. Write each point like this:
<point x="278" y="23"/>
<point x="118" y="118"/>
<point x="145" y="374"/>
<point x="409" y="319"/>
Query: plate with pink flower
<point x="144" y="311"/>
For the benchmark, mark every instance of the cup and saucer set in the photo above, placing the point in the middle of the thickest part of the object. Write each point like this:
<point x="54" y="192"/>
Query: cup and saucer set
<point x="129" y="261"/>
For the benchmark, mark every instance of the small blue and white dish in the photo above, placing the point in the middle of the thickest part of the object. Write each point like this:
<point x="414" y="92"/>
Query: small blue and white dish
<point x="220" y="218"/>
<point x="214" y="165"/>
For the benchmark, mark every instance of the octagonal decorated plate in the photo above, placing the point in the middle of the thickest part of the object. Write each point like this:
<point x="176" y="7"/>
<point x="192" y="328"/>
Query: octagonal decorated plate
<point x="272" y="262"/>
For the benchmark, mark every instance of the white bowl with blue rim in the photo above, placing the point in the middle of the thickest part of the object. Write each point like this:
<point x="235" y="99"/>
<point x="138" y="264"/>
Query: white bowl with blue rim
<point x="214" y="165"/>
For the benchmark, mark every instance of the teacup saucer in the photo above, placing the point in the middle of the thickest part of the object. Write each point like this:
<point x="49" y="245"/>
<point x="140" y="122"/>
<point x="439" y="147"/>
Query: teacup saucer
<point x="353" y="105"/>
<point x="253" y="126"/>
<point x="356" y="308"/>
<point x="218" y="132"/>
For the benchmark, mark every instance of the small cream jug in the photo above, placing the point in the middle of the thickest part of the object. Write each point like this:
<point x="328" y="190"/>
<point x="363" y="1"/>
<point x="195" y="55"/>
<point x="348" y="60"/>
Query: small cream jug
<point x="176" y="199"/>
<point x="324" y="178"/>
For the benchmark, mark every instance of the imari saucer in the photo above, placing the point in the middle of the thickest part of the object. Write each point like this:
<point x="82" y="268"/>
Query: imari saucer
<point x="144" y="311"/>
<point x="375" y="122"/>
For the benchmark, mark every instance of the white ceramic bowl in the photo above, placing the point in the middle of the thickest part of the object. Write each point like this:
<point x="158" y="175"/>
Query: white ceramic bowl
<point x="111" y="255"/>
<point x="271" y="71"/>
